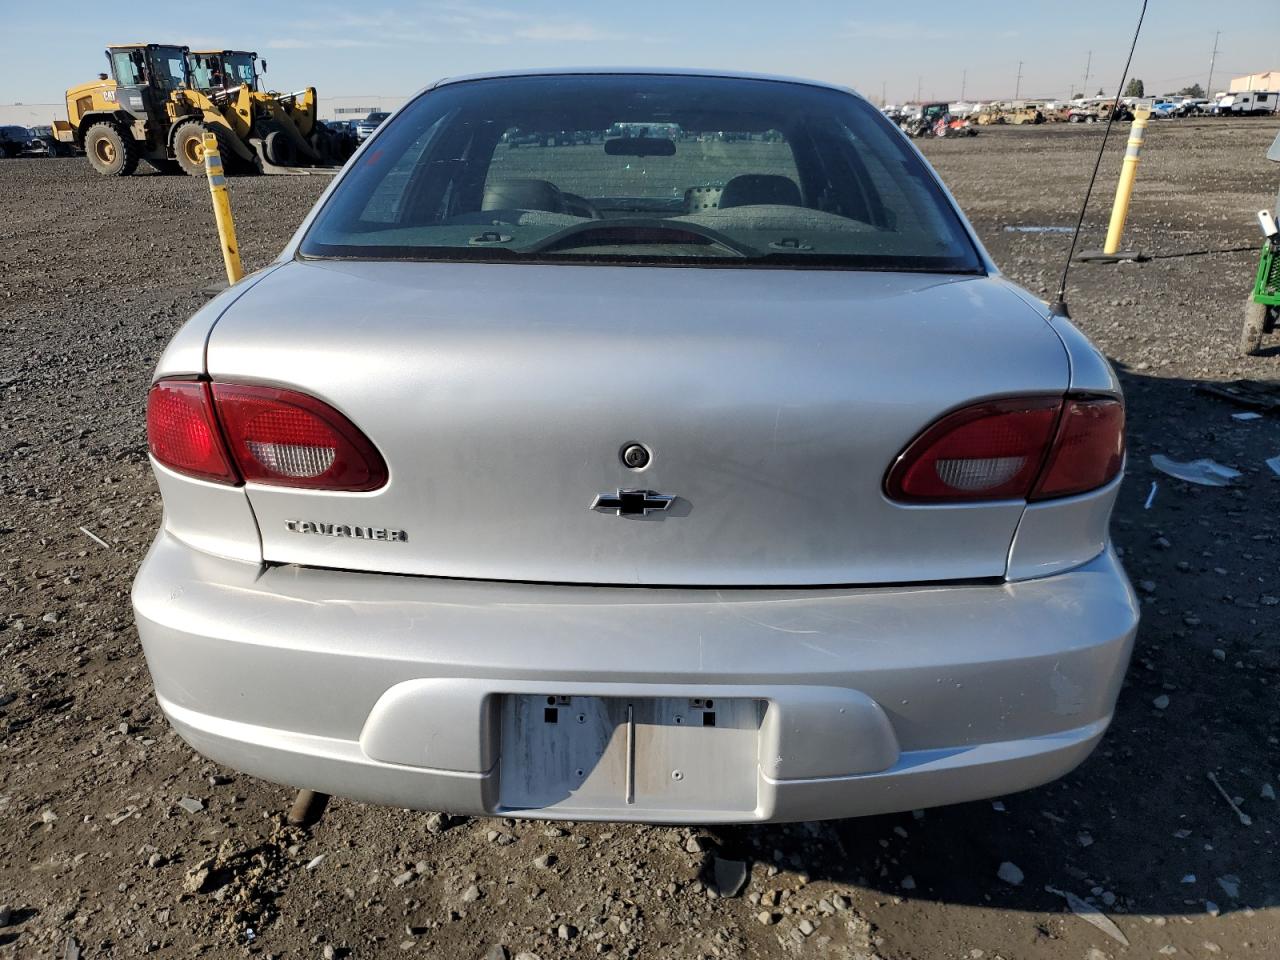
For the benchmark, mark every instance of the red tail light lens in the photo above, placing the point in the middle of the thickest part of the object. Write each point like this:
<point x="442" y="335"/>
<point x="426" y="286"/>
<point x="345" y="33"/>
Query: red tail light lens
<point x="991" y="451"/>
<point x="1031" y="448"/>
<point x="1088" y="451"/>
<point x="289" y="439"/>
<point x="183" y="433"/>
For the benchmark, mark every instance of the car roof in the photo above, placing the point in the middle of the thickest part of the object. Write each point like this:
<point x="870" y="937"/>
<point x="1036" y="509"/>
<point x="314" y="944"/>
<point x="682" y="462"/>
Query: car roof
<point x="641" y="72"/>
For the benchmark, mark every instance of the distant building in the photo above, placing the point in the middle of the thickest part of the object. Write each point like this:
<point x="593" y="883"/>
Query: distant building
<point x="356" y="108"/>
<point x="31" y="114"/>
<point x="1269" y="82"/>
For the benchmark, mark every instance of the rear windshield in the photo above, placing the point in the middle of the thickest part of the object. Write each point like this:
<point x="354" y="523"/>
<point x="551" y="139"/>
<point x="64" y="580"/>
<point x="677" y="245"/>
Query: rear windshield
<point x="655" y="169"/>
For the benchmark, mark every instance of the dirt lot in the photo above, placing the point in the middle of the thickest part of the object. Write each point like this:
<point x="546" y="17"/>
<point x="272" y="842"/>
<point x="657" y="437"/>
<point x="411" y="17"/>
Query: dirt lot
<point x="97" y="843"/>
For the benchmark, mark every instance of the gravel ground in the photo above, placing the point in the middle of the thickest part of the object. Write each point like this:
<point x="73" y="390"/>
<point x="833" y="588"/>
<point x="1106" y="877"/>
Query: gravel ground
<point x="116" y="840"/>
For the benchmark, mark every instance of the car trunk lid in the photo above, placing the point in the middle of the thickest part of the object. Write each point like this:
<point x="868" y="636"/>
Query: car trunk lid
<point x="503" y="396"/>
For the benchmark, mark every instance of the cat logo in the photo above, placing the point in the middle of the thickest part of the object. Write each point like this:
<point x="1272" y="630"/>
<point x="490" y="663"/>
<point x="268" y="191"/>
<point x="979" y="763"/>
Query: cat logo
<point x="109" y="94"/>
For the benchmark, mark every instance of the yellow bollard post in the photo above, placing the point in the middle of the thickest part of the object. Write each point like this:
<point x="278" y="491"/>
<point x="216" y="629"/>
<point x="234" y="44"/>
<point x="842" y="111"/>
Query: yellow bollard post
<point x="1128" y="174"/>
<point x="222" y="208"/>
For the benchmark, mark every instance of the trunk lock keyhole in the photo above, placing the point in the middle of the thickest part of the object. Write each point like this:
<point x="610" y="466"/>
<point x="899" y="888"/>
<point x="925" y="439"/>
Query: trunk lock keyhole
<point x="636" y="456"/>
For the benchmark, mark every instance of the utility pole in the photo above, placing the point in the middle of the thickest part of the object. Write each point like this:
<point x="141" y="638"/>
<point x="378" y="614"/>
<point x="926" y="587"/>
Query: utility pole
<point x="1213" y="57"/>
<point x="1017" y="86"/>
<point x="884" y="100"/>
<point x="964" y="82"/>
<point x="919" y="85"/>
<point x="1084" y="87"/>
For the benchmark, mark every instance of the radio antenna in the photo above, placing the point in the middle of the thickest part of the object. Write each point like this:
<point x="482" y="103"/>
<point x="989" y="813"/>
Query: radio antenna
<point x="1059" y="305"/>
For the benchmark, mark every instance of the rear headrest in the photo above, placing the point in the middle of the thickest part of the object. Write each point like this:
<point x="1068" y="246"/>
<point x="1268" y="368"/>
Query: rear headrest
<point x="753" y="188"/>
<point x="522" y="194"/>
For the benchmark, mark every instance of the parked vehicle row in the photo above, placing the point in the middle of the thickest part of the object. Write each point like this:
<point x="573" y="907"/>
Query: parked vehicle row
<point x="1095" y="109"/>
<point x="19" y="141"/>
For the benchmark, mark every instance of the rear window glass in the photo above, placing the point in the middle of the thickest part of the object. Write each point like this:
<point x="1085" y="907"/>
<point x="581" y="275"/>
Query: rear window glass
<point x="634" y="168"/>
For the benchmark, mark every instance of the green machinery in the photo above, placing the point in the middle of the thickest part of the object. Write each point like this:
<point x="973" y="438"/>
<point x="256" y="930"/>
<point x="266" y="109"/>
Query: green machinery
<point x="1262" y="309"/>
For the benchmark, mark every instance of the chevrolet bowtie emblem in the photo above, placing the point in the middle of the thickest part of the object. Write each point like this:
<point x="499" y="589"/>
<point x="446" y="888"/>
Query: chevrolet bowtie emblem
<point x="632" y="503"/>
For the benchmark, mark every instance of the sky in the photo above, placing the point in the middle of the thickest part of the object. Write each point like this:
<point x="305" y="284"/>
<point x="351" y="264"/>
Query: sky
<point x="940" y="48"/>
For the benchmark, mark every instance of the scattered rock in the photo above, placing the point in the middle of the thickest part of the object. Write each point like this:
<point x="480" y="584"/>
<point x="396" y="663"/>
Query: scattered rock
<point x="328" y="952"/>
<point x="6" y="914"/>
<point x="1010" y="873"/>
<point x="908" y="882"/>
<point x="806" y="926"/>
<point x="767" y="917"/>
<point x="196" y="878"/>
<point x="191" y="805"/>
<point x="401" y="879"/>
<point x="438" y="823"/>
<point x="498" y="952"/>
<point x="566" y="931"/>
<point x="545" y="862"/>
<point x="1268" y="792"/>
<point x="1230" y="885"/>
<point x="471" y="894"/>
<point x="1161" y="702"/>
<point x="315" y="862"/>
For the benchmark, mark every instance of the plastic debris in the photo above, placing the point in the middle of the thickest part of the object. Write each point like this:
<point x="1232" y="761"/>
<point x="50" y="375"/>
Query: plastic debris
<point x="1205" y="472"/>
<point x="95" y="538"/>
<point x="1247" y="415"/>
<point x="1151" y="497"/>
<point x="1010" y="873"/>
<point x="1244" y="817"/>
<point x="1091" y="914"/>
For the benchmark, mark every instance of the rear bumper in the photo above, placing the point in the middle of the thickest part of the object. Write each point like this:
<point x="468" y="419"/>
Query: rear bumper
<point x="390" y="689"/>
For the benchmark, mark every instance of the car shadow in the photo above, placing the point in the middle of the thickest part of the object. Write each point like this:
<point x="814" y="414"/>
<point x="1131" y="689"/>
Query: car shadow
<point x="1139" y="827"/>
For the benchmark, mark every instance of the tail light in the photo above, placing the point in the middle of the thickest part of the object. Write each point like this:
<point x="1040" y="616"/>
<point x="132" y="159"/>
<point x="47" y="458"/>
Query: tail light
<point x="1032" y="448"/>
<point x="1087" y="452"/>
<point x="267" y="435"/>
<point x="183" y="433"/>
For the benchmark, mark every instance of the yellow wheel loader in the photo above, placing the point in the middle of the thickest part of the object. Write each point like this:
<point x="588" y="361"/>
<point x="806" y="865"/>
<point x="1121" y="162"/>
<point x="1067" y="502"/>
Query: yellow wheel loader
<point x="147" y="108"/>
<point x="281" y="128"/>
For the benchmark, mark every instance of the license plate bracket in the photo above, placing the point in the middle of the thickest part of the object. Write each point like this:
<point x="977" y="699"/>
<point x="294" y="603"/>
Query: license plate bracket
<point x="626" y="756"/>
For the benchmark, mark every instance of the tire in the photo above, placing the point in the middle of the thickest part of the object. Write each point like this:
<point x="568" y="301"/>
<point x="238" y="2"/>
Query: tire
<point x="1255" y="326"/>
<point x="188" y="147"/>
<point x="110" y="150"/>
<point x="322" y="143"/>
<point x="279" y="149"/>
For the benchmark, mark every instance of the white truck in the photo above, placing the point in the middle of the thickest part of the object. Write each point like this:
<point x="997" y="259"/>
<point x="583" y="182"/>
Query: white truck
<point x="1248" y="103"/>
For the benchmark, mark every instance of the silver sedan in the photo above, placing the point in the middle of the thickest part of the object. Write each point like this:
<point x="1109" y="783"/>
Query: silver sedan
<point x="646" y="446"/>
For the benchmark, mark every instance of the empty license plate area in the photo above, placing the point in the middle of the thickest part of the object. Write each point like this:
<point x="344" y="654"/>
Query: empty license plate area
<point x="628" y="755"/>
